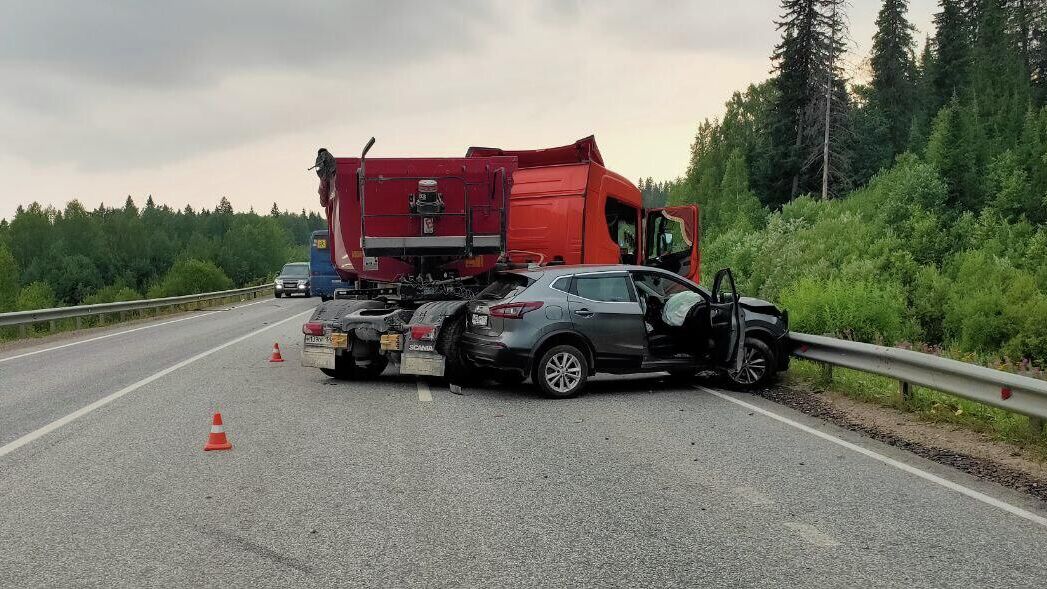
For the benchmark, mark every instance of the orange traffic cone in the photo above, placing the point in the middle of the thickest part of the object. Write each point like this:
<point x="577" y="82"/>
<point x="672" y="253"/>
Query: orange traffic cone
<point x="276" y="357"/>
<point x="217" y="440"/>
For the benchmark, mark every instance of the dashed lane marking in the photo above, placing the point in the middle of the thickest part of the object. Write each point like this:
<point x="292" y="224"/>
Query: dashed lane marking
<point x="424" y="394"/>
<point x="114" y="334"/>
<point x="976" y="495"/>
<point x="43" y="431"/>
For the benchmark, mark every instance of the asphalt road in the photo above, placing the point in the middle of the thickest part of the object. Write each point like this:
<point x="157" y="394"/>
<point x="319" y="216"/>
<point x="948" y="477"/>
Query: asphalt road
<point x="388" y="483"/>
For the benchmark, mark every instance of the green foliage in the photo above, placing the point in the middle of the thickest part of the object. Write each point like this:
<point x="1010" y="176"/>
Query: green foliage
<point x="191" y="277"/>
<point x="35" y="295"/>
<point x="894" y="74"/>
<point x="856" y="308"/>
<point x="8" y="279"/>
<point x="952" y="148"/>
<point x="89" y="255"/>
<point x="252" y="248"/>
<point x="113" y="294"/>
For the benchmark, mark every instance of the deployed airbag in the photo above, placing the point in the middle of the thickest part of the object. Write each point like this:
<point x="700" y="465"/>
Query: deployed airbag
<point x="678" y="306"/>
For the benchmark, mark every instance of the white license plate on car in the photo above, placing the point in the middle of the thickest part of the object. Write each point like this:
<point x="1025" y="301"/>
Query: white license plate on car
<point x="480" y="320"/>
<point x="318" y="340"/>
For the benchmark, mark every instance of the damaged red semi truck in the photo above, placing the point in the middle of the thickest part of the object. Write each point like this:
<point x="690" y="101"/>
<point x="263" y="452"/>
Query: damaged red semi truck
<point x="422" y="236"/>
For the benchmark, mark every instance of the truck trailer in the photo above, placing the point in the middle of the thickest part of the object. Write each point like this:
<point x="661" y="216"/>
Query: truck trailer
<point x="423" y="236"/>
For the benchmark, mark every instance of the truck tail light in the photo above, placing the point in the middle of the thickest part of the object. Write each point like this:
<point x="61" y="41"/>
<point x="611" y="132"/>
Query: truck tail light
<point x="423" y="332"/>
<point x="514" y="310"/>
<point x="313" y="328"/>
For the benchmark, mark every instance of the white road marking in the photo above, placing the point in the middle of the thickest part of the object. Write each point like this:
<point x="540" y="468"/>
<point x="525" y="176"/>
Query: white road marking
<point x="424" y="394"/>
<point x="812" y="534"/>
<point x="43" y="431"/>
<point x="114" y="334"/>
<point x="976" y="495"/>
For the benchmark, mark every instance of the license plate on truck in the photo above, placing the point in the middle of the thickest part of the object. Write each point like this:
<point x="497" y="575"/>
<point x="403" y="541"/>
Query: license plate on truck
<point x="318" y="357"/>
<point x="334" y="340"/>
<point x="422" y="363"/>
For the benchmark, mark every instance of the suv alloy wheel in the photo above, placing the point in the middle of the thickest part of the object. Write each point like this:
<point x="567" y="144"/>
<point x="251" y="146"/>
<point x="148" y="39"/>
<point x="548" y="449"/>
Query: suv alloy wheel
<point x="561" y="372"/>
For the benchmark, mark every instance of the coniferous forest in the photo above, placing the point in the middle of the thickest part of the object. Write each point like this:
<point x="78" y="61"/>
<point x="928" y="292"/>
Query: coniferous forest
<point x="51" y="257"/>
<point x="927" y="224"/>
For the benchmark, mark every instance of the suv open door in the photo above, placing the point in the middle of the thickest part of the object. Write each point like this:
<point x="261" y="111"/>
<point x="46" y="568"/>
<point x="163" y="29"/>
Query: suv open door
<point x="727" y="321"/>
<point x="671" y="237"/>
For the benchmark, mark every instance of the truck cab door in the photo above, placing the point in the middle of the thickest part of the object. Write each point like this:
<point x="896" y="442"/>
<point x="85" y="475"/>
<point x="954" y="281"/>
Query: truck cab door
<point x="726" y="321"/>
<point x="671" y="239"/>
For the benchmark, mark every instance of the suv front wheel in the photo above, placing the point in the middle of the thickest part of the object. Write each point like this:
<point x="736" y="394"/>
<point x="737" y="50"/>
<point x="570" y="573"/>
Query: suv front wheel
<point x="757" y="366"/>
<point x="561" y="372"/>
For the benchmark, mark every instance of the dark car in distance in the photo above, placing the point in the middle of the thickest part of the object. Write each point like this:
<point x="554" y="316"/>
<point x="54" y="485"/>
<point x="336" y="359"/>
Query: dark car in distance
<point x="293" y="279"/>
<point x="561" y="324"/>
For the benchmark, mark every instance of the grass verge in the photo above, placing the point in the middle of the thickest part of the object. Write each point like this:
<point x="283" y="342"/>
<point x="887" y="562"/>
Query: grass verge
<point x="926" y="404"/>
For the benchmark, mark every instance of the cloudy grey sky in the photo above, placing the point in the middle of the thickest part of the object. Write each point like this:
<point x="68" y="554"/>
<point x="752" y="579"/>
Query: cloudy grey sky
<point x="195" y="99"/>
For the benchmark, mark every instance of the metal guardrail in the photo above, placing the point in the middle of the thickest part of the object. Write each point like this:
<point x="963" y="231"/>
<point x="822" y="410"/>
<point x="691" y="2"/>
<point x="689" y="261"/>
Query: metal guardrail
<point x="23" y="318"/>
<point x="1005" y="390"/>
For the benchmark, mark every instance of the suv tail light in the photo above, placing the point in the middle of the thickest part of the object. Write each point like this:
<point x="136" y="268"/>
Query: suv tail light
<point x="313" y="328"/>
<point x="514" y="310"/>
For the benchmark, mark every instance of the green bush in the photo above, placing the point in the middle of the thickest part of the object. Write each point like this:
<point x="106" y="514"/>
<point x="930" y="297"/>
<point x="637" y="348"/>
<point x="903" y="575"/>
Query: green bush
<point x="856" y="309"/>
<point x="36" y="295"/>
<point x="191" y="277"/>
<point x="113" y="294"/>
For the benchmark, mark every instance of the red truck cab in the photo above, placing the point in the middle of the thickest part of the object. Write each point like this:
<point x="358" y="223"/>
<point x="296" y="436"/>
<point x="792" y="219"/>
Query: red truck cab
<point x="566" y="207"/>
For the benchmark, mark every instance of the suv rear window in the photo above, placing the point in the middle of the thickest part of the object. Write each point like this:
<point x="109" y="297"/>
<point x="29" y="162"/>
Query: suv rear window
<point x="505" y="286"/>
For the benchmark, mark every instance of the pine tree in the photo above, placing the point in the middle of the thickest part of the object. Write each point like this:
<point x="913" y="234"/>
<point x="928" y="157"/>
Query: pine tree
<point x="1027" y="25"/>
<point x="807" y="65"/>
<point x="9" y="285"/>
<point x="955" y="149"/>
<point x="925" y="99"/>
<point x="893" y="90"/>
<point x="952" y="59"/>
<point x="275" y="211"/>
<point x="224" y="207"/>
<point x="999" y="81"/>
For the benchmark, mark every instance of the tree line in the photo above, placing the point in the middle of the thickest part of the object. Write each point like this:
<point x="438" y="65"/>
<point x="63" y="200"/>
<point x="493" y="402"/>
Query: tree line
<point x="51" y="257"/>
<point x="932" y="225"/>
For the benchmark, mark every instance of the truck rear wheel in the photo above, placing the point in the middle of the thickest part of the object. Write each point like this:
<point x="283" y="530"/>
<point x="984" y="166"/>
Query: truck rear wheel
<point x="374" y="369"/>
<point x="344" y="367"/>
<point x="456" y="368"/>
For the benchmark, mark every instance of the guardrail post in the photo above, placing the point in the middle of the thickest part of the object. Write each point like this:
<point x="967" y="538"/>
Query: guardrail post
<point x="21" y="331"/>
<point x="827" y="373"/>
<point x="904" y="391"/>
<point x="51" y="325"/>
<point x="1036" y="426"/>
<point x="79" y="323"/>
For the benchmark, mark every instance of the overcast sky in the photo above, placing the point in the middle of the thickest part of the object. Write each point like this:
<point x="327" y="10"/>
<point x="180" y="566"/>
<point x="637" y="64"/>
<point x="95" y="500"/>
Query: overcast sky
<point x="195" y="99"/>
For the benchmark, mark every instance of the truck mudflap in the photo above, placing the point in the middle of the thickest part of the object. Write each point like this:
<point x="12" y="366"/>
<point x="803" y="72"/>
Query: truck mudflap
<point x="424" y="351"/>
<point x="320" y="350"/>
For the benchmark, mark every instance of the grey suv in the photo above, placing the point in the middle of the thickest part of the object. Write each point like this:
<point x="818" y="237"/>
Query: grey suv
<point x="293" y="279"/>
<point x="561" y="324"/>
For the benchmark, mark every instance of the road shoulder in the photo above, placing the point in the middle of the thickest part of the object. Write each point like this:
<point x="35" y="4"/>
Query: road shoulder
<point x="966" y="450"/>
